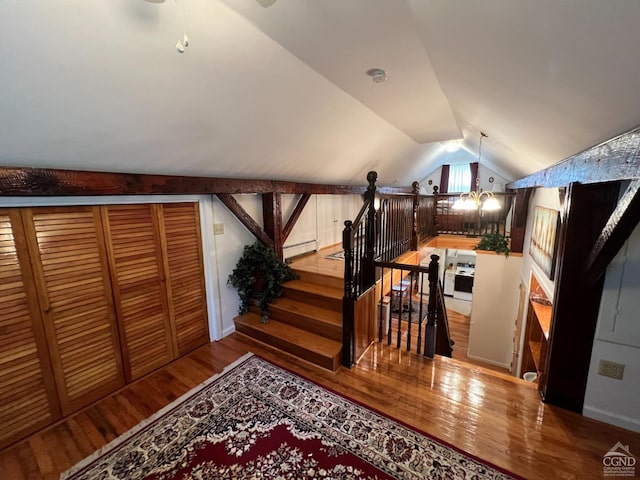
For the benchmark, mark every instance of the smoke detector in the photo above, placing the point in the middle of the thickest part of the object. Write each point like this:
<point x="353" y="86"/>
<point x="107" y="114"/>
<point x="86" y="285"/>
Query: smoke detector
<point x="378" y="75"/>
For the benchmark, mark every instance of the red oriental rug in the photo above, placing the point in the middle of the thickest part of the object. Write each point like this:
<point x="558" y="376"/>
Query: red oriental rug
<point x="258" y="421"/>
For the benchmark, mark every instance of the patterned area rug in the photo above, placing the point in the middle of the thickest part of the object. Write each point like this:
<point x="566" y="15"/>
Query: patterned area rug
<point x="336" y="255"/>
<point x="258" y="421"/>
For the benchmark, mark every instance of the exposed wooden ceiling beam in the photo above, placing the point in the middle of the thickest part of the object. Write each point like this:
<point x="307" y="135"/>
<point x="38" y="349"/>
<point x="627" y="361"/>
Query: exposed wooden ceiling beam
<point x="242" y="215"/>
<point x="48" y="182"/>
<point x="620" y="225"/>
<point x="611" y="161"/>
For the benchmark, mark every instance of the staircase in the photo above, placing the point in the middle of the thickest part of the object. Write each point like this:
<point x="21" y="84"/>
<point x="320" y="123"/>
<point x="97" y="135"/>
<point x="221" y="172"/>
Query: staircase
<point x="306" y="321"/>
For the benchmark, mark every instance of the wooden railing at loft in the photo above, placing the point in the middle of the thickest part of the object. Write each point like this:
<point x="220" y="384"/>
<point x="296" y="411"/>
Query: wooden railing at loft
<point x="403" y="298"/>
<point x="386" y="227"/>
<point x="471" y="222"/>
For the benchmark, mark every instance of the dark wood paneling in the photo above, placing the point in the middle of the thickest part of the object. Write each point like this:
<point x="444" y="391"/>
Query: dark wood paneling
<point x="576" y="301"/>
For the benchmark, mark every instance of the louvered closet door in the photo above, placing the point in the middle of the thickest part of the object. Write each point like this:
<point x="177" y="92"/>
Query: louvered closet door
<point x="28" y="399"/>
<point x="70" y="266"/>
<point x="185" y="275"/>
<point x="135" y="257"/>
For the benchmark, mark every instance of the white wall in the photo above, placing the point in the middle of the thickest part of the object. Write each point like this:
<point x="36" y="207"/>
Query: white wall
<point x="333" y="210"/>
<point x="483" y="173"/>
<point x="228" y="248"/>
<point x="618" y="339"/>
<point x="495" y="308"/>
<point x="303" y="237"/>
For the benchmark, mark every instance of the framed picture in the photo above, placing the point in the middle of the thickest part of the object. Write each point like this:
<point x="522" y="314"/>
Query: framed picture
<point x="543" y="239"/>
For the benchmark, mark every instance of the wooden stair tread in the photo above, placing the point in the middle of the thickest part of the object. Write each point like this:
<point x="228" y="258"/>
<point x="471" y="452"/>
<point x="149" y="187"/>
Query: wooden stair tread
<point x="307" y="310"/>
<point x="315" y="288"/>
<point x="320" y="278"/>
<point x="309" y="346"/>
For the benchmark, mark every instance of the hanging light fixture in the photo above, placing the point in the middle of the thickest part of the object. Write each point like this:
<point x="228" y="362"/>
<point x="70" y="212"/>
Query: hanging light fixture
<point x="485" y="201"/>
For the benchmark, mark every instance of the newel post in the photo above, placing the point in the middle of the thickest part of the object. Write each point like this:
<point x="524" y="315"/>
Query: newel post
<point x="348" y="300"/>
<point x="416" y="203"/>
<point x="434" y="228"/>
<point x="368" y="267"/>
<point x="432" y="321"/>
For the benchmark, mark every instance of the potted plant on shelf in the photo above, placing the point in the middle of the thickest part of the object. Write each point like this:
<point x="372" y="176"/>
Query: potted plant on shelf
<point x="258" y="277"/>
<point x="494" y="242"/>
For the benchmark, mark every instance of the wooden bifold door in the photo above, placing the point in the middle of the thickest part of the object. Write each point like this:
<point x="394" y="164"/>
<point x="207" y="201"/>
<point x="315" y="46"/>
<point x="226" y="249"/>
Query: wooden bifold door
<point x="91" y="298"/>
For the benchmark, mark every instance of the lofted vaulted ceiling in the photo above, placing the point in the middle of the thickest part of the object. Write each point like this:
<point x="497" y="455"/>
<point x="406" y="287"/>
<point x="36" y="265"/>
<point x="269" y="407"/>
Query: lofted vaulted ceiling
<point x="281" y="92"/>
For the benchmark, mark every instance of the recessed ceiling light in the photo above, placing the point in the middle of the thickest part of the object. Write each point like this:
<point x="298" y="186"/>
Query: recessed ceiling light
<point x="378" y="75"/>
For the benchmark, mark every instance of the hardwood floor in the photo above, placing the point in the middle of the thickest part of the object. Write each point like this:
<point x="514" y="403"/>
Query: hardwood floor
<point x="491" y="416"/>
<point x="459" y="329"/>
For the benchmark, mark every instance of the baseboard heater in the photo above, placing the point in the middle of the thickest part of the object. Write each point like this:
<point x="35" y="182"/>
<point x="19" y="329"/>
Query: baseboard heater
<point x="296" y="249"/>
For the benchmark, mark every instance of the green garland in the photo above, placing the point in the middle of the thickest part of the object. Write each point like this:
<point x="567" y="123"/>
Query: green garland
<point x="494" y="242"/>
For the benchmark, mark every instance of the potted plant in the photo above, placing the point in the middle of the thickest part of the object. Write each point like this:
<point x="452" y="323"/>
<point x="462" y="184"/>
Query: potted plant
<point x="494" y="242"/>
<point x="258" y="277"/>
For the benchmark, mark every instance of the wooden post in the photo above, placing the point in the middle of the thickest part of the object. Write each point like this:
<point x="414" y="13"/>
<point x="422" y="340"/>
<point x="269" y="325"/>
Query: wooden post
<point x="368" y="267"/>
<point x="576" y="299"/>
<point x="432" y="321"/>
<point x="416" y="203"/>
<point x="272" y="219"/>
<point x="348" y="300"/>
<point x="435" y="230"/>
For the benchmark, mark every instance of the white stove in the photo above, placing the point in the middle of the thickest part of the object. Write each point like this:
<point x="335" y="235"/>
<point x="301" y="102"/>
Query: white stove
<point x="466" y="269"/>
<point x="463" y="285"/>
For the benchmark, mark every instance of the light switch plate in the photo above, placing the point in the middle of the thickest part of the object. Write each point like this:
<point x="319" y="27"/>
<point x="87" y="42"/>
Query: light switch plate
<point x="218" y="228"/>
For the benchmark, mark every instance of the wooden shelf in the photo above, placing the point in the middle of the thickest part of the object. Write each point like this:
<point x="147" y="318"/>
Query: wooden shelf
<point x="539" y="319"/>
<point x="543" y="315"/>
<point x="535" y="348"/>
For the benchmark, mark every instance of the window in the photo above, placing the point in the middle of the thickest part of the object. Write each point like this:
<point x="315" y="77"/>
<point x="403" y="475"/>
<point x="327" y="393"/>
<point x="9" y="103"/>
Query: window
<point x="459" y="178"/>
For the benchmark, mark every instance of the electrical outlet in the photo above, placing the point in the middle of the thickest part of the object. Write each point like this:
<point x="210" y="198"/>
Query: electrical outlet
<point x="611" y="369"/>
<point x="218" y="228"/>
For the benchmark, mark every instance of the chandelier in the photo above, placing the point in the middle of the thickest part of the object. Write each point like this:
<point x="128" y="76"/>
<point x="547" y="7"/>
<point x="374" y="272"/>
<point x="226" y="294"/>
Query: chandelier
<point x="485" y="201"/>
<point x="475" y="201"/>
